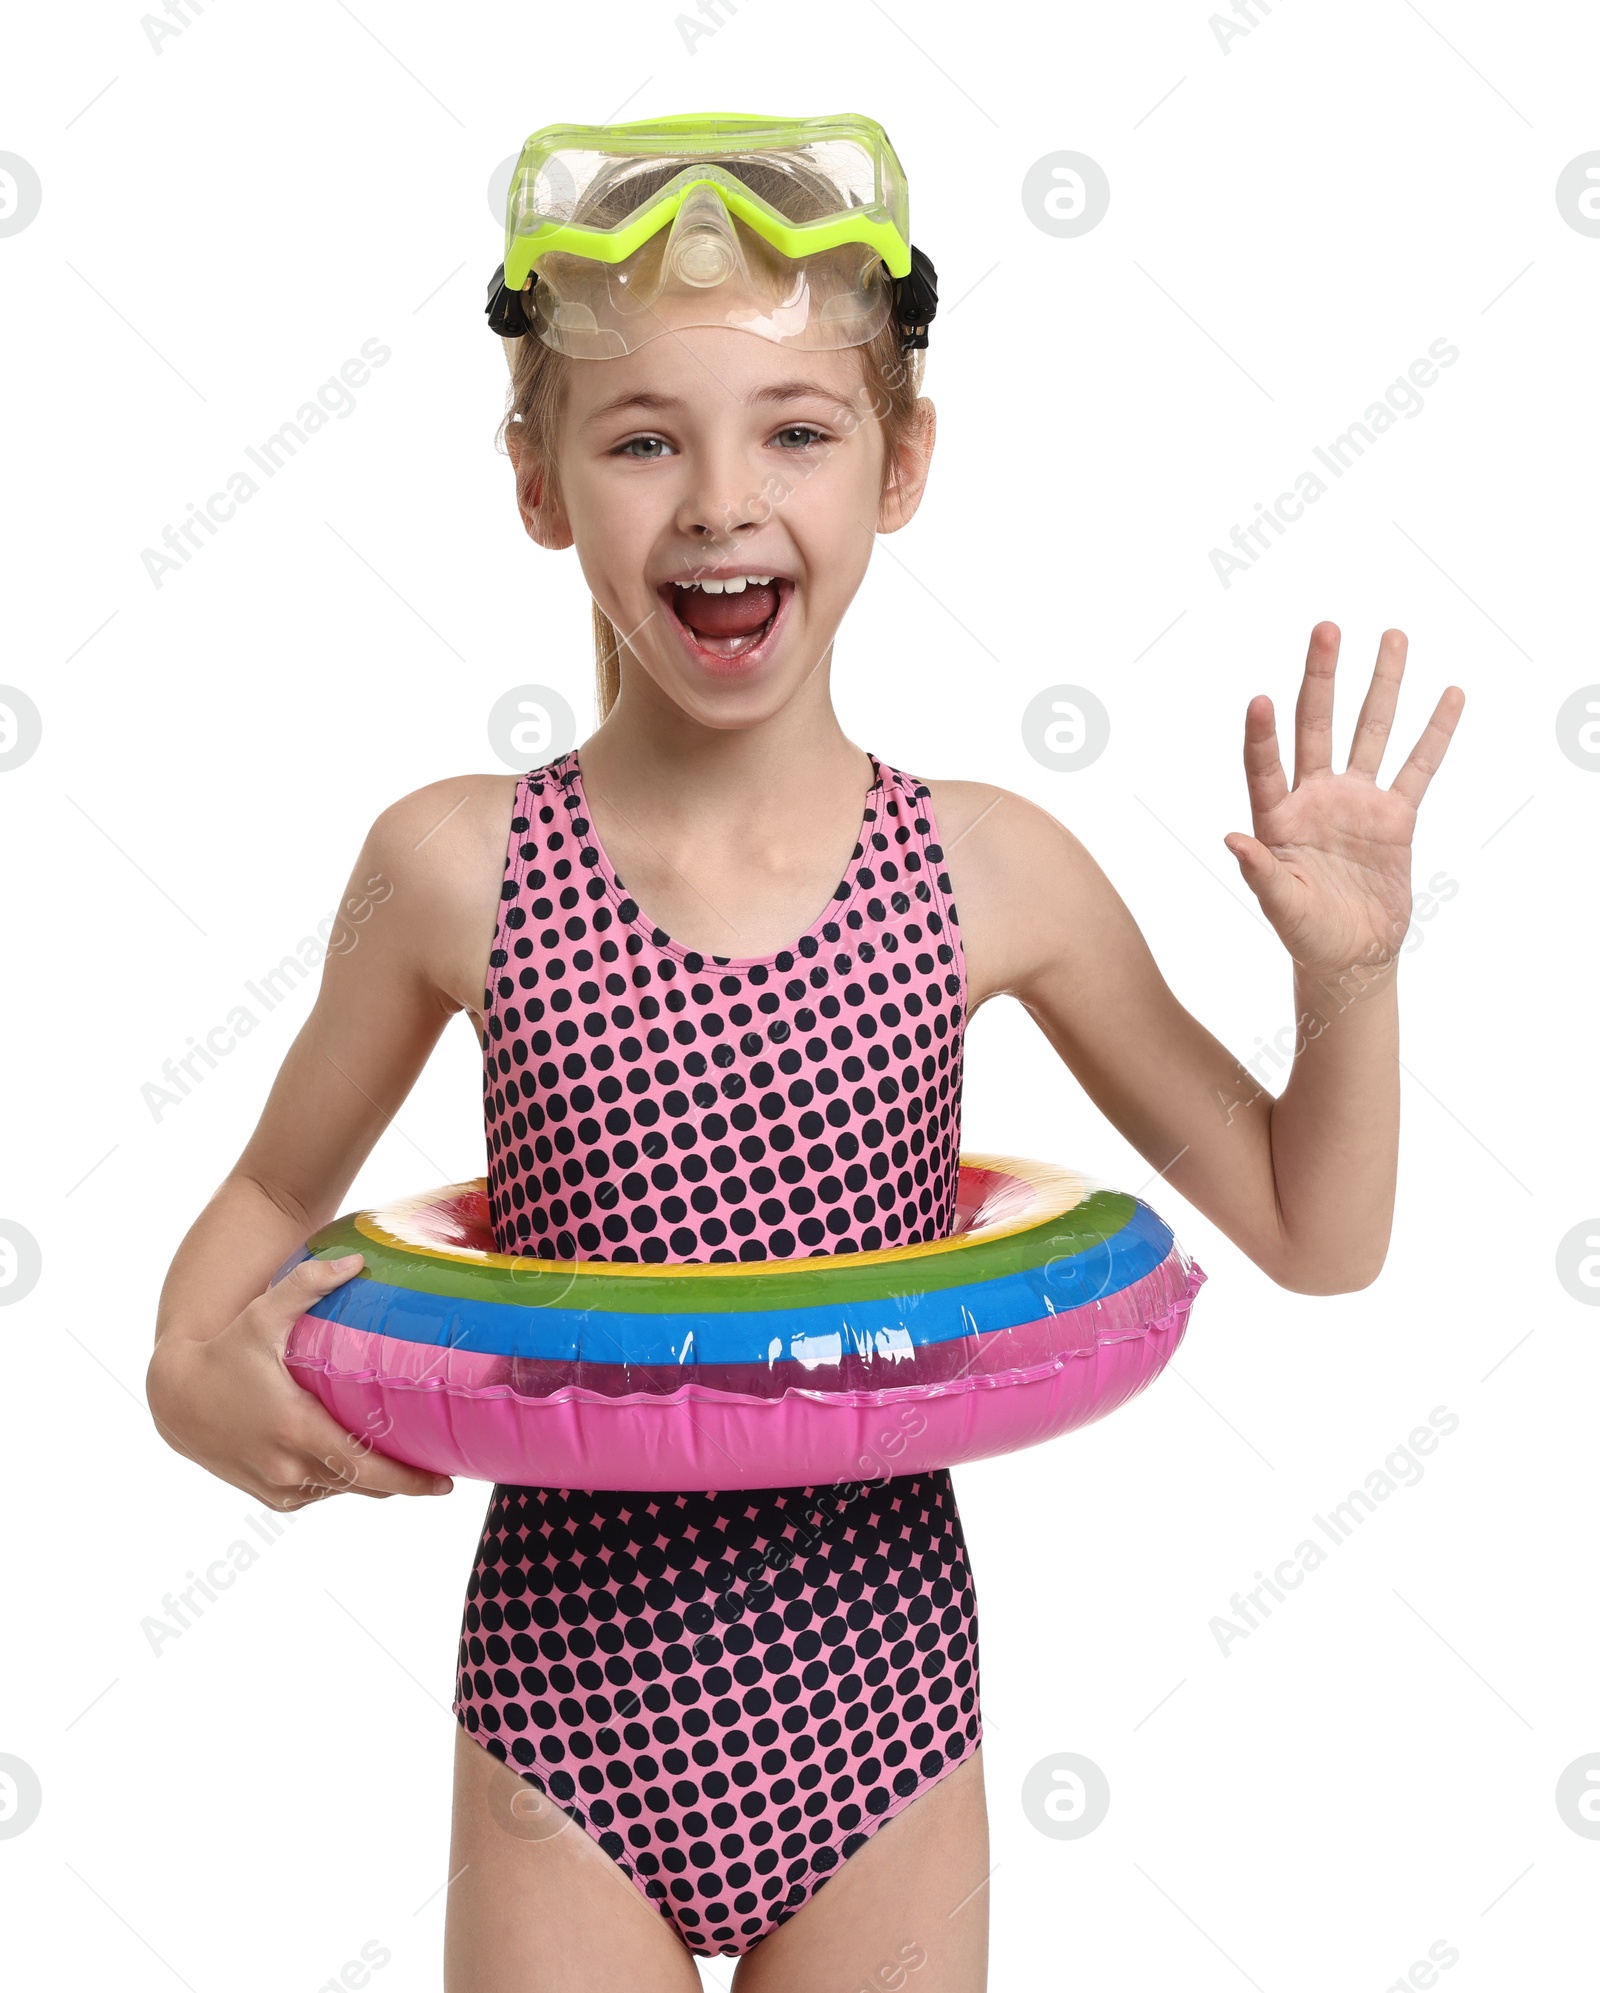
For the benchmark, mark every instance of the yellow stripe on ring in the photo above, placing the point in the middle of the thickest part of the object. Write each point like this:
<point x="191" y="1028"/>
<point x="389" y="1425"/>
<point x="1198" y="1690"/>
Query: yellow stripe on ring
<point x="1055" y="1191"/>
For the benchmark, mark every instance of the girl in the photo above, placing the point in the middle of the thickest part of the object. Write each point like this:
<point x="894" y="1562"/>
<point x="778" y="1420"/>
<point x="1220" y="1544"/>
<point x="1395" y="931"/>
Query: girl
<point x="715" y="350"/>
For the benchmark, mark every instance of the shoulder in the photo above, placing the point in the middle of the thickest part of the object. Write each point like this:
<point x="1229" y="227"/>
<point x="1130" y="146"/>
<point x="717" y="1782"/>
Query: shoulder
<point x="445" y="824"/>
<point x="1027" y="892"/>
<point x="437" y="854"/>
<point x="986" y="829"/>
<point x="413" y="821"/>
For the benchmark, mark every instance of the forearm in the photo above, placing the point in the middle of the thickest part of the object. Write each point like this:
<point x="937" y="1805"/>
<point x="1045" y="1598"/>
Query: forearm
<point x="227" y="1257"/>
<point x="1334" y="1131"/>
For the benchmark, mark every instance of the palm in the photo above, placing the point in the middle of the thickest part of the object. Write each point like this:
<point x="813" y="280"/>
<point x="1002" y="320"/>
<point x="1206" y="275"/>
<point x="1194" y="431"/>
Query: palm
<point x="1330" y="860"/>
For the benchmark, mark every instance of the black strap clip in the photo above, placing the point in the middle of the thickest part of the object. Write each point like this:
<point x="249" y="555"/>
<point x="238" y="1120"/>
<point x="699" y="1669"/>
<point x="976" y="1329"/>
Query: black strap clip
<point x="916" y="300"/>
<point x="506" y="315"/>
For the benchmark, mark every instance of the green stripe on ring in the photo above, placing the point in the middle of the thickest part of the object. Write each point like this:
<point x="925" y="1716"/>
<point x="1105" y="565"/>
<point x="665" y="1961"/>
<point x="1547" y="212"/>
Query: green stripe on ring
<point x="814" y="1282"/>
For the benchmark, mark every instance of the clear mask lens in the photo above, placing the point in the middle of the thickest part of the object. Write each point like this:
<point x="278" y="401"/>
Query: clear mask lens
<point x="708" y="268"/>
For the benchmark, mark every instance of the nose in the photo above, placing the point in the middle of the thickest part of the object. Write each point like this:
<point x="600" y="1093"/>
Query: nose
<point x="723" y="501"/>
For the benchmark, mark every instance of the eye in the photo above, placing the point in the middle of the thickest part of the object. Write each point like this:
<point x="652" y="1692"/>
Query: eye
<point x="798" y="436"/>
<point x="645" y="448"/>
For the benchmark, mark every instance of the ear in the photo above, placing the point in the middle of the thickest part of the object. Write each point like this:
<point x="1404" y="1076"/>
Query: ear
<point x="908" y="473"/>
<point x="543" y="514"/>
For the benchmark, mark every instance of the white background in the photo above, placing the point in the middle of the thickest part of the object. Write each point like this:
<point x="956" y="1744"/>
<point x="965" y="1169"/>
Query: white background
<point x="1292" y="223"/>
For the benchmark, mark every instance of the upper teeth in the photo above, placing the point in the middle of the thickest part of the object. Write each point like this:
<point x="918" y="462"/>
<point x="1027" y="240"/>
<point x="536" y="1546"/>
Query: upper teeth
<point x="734" y="584"/>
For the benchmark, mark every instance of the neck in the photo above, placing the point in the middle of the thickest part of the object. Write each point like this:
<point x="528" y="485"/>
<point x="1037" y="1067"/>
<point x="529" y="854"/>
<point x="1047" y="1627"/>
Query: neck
<point x="745" y="779"/>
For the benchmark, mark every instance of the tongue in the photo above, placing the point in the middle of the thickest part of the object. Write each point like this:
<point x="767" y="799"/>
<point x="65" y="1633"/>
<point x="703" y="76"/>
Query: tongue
<point x="725" y="615"/>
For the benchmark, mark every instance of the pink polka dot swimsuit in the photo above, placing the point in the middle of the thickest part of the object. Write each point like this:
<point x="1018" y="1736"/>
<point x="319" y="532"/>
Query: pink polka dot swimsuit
<point x="646" y="1102"/>
<point x="728" y="1691"/>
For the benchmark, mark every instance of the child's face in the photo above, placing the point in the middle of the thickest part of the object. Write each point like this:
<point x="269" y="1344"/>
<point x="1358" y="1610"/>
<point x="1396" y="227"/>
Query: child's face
<point x="713" y="454"/>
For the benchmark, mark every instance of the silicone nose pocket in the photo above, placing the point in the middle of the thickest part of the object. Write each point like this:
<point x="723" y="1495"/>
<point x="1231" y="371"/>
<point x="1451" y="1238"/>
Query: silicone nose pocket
<point x="703" y="250"/>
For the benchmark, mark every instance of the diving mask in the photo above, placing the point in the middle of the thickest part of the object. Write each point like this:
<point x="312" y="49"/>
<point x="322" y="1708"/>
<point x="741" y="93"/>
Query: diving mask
<point x="795" y="230"/>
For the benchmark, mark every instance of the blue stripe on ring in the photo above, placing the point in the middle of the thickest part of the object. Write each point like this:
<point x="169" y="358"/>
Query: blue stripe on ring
<point x="823" y="1334"/>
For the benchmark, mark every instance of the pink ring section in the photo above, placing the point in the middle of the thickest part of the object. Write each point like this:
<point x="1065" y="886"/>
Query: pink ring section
<point x="456" y="1412"/>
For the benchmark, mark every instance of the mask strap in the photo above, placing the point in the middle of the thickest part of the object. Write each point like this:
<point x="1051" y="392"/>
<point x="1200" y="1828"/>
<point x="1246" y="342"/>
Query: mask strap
<point x="916" y="300"/>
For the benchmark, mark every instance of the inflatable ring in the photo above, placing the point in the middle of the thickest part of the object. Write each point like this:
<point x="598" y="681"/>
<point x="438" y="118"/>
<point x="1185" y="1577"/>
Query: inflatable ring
<point x="1053" y="1302"/>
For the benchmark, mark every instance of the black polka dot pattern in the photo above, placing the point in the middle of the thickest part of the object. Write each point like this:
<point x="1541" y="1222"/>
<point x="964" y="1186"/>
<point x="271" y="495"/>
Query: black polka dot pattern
<point x="728" y="1692"/>
<point x="644" y="1102"/>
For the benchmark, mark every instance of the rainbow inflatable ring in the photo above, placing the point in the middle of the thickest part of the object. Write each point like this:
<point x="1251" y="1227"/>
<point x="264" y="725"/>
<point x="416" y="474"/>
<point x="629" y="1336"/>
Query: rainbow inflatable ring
<point x="1053" y="1302"/>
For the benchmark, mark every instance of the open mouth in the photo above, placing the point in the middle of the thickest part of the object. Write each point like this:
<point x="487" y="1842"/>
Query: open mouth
<point x="729" y="618"/>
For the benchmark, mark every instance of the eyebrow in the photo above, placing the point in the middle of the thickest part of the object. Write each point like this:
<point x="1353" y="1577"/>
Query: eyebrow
<point x="780" y="392"/>
<point x="642" y="398"/>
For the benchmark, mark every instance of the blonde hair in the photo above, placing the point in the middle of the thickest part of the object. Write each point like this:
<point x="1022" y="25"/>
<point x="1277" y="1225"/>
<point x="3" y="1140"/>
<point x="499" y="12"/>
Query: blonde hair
<point x="536" y="396"/>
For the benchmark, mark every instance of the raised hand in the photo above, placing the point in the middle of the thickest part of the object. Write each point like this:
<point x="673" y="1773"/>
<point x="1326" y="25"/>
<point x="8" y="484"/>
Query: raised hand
<point x="1330" y="860"/>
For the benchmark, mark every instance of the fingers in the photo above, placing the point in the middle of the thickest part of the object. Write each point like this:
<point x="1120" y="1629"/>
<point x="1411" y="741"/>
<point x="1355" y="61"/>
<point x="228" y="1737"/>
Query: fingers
<point x="282" y="1305"/>
<point x="1261" y="872"/>
<point x="310" y="1488"/>
<point x="1313" y="713"/>
<point x="1423" y="760"/>
<point x="1263" y="771"/>
<point x="339" y="1462"/>
<point x="343" y="1469"/>
<point x="329" y="1460"/>
<point x="1377" y="709"/>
